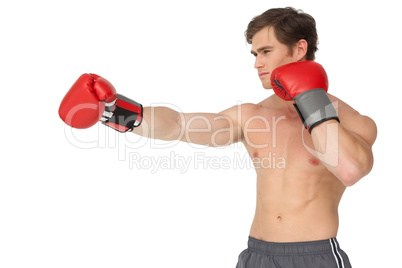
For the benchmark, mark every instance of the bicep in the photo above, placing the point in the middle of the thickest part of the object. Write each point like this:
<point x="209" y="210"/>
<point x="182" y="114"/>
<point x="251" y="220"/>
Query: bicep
<point x="211" y="129"/>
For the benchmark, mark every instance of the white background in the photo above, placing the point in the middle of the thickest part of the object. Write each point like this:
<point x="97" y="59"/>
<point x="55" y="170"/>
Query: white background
<point x="65" y="206"/>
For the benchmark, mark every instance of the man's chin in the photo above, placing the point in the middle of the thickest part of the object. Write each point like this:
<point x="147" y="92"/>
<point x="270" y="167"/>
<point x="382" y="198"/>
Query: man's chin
<point x="267" y="86"/>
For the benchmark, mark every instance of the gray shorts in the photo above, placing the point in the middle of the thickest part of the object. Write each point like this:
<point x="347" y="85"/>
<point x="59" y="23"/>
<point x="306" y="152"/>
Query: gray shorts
<point x="314" y="254"/>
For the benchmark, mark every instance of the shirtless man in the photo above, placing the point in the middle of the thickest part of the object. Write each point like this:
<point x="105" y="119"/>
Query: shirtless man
<point x="296" y="217"/>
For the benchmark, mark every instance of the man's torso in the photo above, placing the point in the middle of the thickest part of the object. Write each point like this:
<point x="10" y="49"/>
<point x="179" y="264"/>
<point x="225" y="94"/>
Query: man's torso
<point x="297" y="197"/>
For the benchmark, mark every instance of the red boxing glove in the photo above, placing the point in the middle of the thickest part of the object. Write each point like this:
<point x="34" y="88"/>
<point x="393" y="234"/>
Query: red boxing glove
<point x="306" y="83"/>
<point x="93" y="98"/>
<point x="291" y="79"/>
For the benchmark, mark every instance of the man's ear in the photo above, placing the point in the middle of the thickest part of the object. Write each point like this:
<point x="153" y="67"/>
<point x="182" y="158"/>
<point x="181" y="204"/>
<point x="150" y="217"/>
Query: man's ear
<point x="301" y="49"/>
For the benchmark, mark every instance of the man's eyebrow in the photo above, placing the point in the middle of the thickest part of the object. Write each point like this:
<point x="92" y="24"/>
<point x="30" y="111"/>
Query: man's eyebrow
<point x="261" y="49"/>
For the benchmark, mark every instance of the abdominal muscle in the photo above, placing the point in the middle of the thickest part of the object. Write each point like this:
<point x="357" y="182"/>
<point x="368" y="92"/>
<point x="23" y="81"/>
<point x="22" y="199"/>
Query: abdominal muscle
<point x="295" y="207"/>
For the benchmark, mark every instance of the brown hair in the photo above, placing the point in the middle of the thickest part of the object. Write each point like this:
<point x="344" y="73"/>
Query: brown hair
<point x="290" y="25"/>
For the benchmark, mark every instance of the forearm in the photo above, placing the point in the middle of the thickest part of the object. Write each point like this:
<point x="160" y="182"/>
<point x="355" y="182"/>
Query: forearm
<point x="159" y="123"/>
<point x="344" y="154"/>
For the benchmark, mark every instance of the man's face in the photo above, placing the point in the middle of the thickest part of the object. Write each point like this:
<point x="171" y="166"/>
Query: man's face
<point x="270" y="54"/>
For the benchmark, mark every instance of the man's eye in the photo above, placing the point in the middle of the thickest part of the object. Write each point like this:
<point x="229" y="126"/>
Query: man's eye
<point x="266" y="51"/>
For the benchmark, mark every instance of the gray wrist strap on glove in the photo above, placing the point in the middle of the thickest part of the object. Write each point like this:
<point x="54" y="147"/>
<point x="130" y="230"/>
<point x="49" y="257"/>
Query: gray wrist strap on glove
<point x="314" y="107"/>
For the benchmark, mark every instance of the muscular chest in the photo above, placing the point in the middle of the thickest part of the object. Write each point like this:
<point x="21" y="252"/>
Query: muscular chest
<point x="279" y="141"/>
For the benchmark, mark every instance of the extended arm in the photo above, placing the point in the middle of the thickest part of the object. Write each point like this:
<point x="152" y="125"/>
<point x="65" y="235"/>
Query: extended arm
<point x="92" y="98"/>
<point x="210" y="129"/>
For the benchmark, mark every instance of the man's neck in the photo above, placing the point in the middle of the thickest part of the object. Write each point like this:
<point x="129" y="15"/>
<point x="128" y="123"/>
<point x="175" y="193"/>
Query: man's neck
<point x="279" y="103"/>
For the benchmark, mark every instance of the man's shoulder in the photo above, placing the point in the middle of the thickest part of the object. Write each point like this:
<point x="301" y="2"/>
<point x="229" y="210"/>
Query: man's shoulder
<point x="341" y="104"/>
<point x="252" y="109"/>
<point x="344" y="109"/>
<point x="352" y="120"/>
<point x="262" y="105"/>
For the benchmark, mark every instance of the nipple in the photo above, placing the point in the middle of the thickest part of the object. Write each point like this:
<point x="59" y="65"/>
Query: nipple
<point x="314" y="161"/>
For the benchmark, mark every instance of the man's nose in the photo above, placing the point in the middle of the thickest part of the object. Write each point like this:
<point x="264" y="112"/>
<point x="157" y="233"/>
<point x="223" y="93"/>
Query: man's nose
<point x="258" y="63"/>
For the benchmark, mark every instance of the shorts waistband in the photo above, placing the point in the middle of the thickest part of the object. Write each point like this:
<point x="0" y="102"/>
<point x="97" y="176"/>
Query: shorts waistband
<point x="289" y="248"/>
